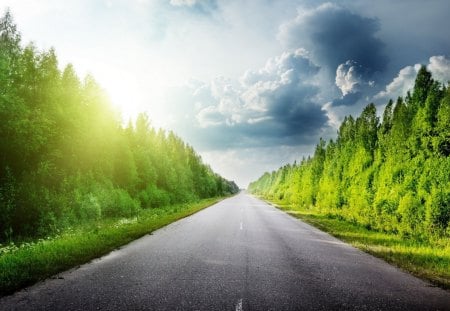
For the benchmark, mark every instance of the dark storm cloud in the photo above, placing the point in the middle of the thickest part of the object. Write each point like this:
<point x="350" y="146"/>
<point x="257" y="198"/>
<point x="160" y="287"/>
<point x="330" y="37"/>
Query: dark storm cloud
<point x="335" y="63"/>
<point x="293" y="113"/>
<point x="412" y="30"/>
<point x="347" y="99"/>
<point x="272" y="106"/>
<point x="270" y="133"/>
<point x="335" y="35"/>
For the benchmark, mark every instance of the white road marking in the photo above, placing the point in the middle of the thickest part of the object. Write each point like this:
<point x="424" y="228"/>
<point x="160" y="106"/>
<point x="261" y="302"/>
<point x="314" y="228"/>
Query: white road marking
<point x="241" y="226"/>
<point x="239" y="305"/>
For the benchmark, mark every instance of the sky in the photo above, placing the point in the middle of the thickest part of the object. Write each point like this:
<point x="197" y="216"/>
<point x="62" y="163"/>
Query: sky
<point x="251" y="85"/>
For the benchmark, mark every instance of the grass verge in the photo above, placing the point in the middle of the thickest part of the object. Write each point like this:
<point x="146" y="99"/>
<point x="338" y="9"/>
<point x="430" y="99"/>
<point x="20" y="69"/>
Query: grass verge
<point x="428" y="260"/>
<point x="28" y="263"/>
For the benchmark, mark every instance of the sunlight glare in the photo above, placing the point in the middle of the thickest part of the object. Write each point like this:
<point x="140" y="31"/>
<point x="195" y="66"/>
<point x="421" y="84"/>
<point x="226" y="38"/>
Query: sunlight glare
<point x="126" y="97"/>
<point x="140" y="89"/>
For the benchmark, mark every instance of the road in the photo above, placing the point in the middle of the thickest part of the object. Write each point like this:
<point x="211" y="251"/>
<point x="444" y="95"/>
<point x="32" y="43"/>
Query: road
<point x="240" y="254"/>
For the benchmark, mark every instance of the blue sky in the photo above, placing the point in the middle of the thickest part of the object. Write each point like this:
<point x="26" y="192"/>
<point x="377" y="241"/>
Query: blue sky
<point x="252" y="85"/>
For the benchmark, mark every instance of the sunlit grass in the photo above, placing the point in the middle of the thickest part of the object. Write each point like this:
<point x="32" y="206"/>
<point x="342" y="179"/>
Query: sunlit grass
<point x="29" y="262"/>
<point x="428" y="259"/>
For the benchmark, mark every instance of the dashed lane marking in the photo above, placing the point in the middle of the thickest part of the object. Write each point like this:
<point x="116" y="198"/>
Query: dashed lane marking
<point x="239" y="305"/>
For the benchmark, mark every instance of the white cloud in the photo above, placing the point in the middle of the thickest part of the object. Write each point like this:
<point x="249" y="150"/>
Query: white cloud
<point x="440" y="68"/>
<point x="347" y="78"/>
<point x="218" y="103"/>
<point x="401" y="84"/>
<point x="274" y="105"/>
<point x="282" y="88"/>
<point x="209" y="116"/>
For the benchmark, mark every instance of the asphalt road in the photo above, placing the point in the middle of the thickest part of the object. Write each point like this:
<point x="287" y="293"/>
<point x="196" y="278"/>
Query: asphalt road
<point x="240" y="254"/>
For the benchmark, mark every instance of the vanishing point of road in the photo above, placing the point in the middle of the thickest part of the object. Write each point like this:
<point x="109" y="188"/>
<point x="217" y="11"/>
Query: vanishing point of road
<point x="240" y="254"/>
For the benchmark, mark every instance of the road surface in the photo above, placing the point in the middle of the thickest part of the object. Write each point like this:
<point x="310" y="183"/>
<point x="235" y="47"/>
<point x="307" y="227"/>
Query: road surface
<point x="240" y="254"/>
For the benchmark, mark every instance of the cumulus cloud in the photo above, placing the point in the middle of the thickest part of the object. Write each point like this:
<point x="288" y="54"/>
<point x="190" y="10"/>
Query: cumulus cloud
<point x="349" y="99"/>
<point x="209" y="116"/>
<point x="402" y="83"/>
<point x="439" y="66"/>
<point x="275" y="105"/>
<point x="334" y="35"/>
<point x="224" y="106"/>
<point x="283" y="86"/>
<point x="348" y="79"/>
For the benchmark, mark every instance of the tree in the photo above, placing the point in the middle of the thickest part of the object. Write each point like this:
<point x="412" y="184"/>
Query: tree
<point x="391" y="176"/>
<point x="9" y="52"/>
<point x="66" y="158"/>
<point x="422" y="86"/>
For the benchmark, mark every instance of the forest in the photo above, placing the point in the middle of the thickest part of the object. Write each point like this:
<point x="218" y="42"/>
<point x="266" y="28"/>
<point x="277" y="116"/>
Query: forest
<point x="388" y="175"/>
<point x="66" y="158"/>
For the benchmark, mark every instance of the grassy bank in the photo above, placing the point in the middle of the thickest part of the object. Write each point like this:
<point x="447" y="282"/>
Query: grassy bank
<point x="426" y="259"/>
<point x="27" y="263"/>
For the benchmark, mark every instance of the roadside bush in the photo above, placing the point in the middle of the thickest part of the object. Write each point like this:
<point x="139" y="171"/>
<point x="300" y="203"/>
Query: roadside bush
<point x="411" y="213"/>
<point x="89" y="207"/>
<point x="153" y="197"/>
<point x="118" y="203"/>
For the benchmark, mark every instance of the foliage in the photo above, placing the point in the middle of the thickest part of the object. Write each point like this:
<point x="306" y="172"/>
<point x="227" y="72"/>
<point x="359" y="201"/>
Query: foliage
<point x="66" y="158"/>
<point x="390" y="176"/>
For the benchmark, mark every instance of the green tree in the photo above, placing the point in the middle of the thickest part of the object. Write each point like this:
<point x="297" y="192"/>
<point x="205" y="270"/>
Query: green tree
<point x="391" y="176"/>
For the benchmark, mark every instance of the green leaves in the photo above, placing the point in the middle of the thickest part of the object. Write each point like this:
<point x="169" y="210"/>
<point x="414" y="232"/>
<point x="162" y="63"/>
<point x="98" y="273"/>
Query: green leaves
<point x="66" y="158"/>
<point x="391" y="176"/>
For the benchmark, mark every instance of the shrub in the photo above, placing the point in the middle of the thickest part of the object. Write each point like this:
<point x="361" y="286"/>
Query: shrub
<point x="118" y="203"/>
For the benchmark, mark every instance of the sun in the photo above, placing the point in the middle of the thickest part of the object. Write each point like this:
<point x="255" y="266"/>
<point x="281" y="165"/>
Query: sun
<point x="143" y="88"/>
<point x="124" y="95"/>
<point x="126" y="100"/>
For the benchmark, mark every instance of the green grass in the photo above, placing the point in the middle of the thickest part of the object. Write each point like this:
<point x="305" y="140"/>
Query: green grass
<point x="429" y="260"/>
<point x="25" y="264"/>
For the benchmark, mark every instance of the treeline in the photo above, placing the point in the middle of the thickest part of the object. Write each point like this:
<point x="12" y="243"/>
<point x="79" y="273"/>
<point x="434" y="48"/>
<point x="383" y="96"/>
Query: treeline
<point x="391" y="175"/>
<point x="66" y="158"/>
